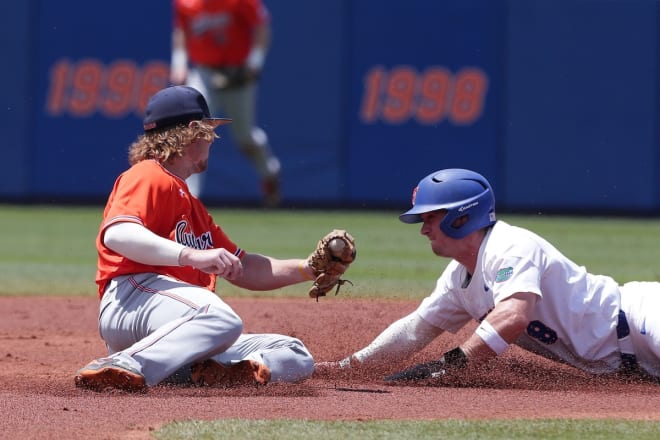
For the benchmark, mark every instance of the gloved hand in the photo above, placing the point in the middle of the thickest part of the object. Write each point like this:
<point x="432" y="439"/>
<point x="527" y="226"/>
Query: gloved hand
<point x="333" y="255"/>
<point x="453" y="359"/>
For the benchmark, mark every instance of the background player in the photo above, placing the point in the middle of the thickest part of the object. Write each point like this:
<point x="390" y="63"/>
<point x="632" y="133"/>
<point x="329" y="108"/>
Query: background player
<point x="225" y="42"/>
<point x="159" y="255"/>
<point x="519" y="287"/>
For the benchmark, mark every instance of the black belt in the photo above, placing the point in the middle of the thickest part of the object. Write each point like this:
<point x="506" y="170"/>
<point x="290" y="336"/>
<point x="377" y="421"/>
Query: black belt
<point x="628" y="358"/>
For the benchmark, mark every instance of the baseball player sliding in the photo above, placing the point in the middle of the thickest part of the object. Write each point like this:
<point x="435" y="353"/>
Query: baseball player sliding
<point x="159" y="254"/>
<point x="519" y="288"/>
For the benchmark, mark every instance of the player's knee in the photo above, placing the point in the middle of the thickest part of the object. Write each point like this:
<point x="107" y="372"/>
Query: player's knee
<point x="250" y="150"/>
<point x="303" y="359"/>
<point x="225" y="324"/>
<point x="253" y="142"/>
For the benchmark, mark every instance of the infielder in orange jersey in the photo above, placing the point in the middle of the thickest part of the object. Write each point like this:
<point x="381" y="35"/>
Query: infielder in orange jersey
<point x="219" y="47"/>
<point x="520" y="289"/>
<point x="159" y="254"/>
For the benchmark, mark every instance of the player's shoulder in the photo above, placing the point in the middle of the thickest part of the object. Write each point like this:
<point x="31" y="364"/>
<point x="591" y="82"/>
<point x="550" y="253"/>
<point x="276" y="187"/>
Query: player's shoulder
<point x="148" y="171"/>
<point x="188" y="6"/>
<point x="503" y="231"/>
<point x="505" y="241"/>
<point x="452" y="276"/>
<point x="145" y="167"/>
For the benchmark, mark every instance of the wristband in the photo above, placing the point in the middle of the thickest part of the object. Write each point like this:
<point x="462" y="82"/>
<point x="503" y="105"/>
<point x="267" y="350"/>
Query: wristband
<point x="256" y="58"/>
<point x="490" y="336"/>
<point x="306" y="276"/>
<point x="179" y="59"/>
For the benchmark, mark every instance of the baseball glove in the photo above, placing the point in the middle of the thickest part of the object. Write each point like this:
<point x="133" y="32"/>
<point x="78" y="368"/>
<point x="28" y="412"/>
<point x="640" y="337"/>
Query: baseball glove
<point x="231" y="77"/>
<point x="452" y="360"/>
<point x="331" y="258"/>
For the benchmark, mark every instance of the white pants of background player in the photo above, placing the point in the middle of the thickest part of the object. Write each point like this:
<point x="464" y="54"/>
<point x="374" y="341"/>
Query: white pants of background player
<point x="238" y="103"/>
<point x="161" y="326"/>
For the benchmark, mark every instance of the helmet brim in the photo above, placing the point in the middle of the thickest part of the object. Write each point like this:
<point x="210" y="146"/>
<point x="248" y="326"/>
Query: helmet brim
<point x="410" y="218"/>
<point x="414" y="215"/>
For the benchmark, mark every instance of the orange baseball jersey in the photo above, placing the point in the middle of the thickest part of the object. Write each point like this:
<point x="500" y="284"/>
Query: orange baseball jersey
<point x="151" y="196"/>
<point x="218" y="32"/>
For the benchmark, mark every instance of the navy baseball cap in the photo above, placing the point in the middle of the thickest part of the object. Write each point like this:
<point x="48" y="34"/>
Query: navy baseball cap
<point x="178" y="105"/>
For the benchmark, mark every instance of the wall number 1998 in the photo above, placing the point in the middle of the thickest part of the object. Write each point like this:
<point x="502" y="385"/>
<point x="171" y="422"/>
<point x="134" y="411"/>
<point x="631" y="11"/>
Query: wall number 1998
<point x="428" y="97"/>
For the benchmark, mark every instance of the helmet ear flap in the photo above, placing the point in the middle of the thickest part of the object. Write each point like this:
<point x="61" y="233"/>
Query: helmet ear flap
<point x="460" y="221"/>
<point x="452" y="223"/>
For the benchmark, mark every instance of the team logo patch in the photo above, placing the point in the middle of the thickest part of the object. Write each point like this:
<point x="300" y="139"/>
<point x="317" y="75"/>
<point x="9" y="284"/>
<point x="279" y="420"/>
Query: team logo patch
<point x="183" y="235"/>
<point x="504" y="274"/>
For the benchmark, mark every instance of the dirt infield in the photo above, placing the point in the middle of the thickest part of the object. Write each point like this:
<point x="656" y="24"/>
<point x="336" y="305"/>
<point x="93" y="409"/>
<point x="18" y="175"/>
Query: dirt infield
<point x="43" y="341"/>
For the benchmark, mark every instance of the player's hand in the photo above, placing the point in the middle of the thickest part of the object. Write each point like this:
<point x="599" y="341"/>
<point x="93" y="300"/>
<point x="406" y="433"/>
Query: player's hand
<point x="220" y="262"/>
<point x="252" y="74"/>
<point x="178" y="76"/>
<point x="331" y="368"/>
<point x="426" y="370"/>
<point x="452" y="360"/>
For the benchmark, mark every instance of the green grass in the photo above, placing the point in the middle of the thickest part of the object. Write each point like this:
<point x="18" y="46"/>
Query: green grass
<point x="49" y="250"/>
<point x="418" y="430"/>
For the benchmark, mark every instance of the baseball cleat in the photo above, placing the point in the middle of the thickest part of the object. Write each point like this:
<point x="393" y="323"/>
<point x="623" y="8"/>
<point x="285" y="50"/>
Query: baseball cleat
<point x="214" y="374"/>
<point x="109" y="373"/>
<point x="270" y="187"/>
<point x="428" y="370"/>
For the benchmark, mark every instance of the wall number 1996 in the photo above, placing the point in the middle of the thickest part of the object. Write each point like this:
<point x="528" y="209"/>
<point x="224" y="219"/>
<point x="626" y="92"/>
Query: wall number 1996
<point x="88" y="86"/>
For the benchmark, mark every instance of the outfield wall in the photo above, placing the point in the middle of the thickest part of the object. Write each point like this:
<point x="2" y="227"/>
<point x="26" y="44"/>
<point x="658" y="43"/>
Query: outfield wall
<point x="555" y="101"/>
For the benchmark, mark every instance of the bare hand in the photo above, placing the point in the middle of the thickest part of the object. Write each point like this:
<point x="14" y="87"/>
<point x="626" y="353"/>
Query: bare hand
<point x="220" y="262"/>
<point x="178" y="76"/>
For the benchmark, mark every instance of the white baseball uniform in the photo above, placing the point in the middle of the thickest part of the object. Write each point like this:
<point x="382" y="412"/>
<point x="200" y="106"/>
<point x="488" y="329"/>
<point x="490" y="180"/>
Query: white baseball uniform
<point x="576" y="317"/>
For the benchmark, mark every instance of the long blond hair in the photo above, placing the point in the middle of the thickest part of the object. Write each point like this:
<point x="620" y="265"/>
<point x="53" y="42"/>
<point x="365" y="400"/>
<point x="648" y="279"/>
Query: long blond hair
<point x="168" y="143"/>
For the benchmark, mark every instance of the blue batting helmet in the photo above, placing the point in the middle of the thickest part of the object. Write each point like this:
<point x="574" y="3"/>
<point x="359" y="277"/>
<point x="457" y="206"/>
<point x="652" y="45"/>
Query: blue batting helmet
<point x="459" y="192"/>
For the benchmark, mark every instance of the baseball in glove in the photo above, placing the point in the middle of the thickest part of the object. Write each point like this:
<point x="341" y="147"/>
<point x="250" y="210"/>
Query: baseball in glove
<point x="331" y="258"/>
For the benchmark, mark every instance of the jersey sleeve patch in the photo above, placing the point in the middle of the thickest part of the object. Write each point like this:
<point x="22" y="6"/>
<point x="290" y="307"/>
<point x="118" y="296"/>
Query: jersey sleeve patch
<point x="504" y="274"/>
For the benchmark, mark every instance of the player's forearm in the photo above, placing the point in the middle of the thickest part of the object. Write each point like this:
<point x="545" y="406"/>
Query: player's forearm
<point x="179" y="58"/>
<point x="477" y="350"/>
<point x="500" y="328"/>
<point x="484" y="344"/>
<point x="139" y="244"/>
<point x="400" y="340"/>
<point x="262" y="35"/>
<point x="266" y="273"/>
<point x="257" y="56"/>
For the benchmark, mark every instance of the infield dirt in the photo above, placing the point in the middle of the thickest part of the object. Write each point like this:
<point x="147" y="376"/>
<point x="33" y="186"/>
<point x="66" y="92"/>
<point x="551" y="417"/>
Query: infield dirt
<point x="43" y="341"/>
